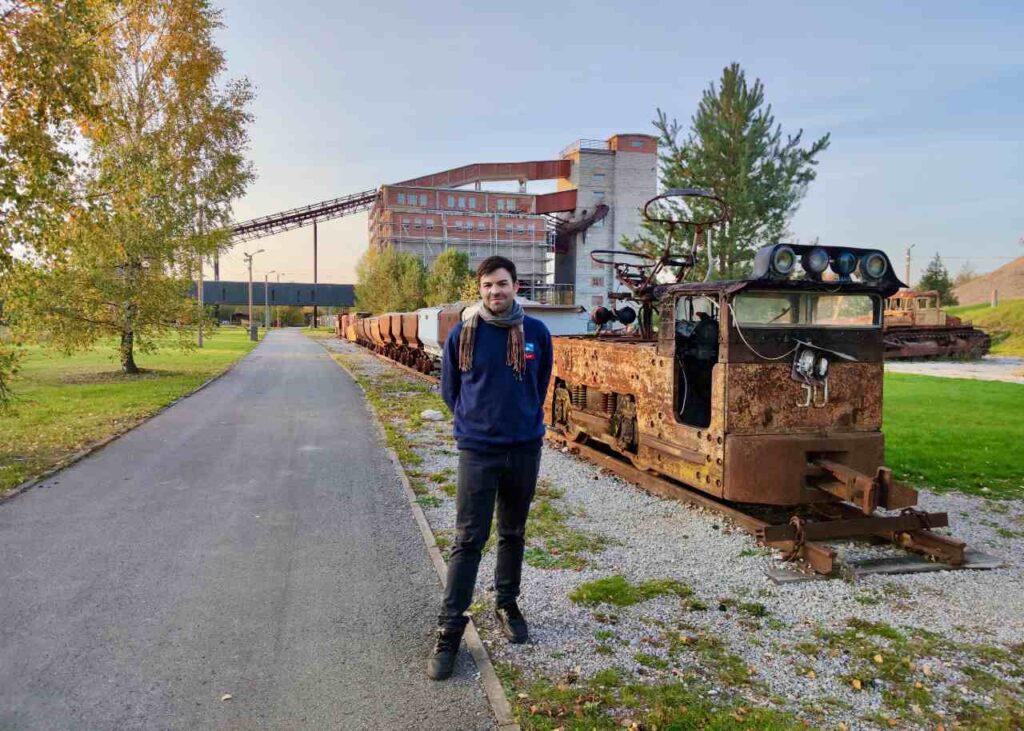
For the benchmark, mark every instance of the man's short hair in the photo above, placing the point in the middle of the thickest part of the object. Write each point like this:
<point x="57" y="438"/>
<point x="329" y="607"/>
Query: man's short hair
<point x="493" y="264"/>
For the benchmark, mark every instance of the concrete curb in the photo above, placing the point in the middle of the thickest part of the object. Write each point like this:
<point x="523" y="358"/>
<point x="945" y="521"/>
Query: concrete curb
<point x="488" y="676"/>
<point x="97" y="446"/>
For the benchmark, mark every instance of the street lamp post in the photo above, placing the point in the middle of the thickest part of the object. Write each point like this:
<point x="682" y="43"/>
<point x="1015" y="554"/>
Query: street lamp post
<point x="266" y="300"/>
<point x="277" y="308"/>
<point x="248" y="260"/>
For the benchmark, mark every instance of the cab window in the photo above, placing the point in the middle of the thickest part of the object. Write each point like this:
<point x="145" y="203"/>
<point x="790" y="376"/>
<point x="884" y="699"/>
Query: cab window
<point x="805" y="309"/>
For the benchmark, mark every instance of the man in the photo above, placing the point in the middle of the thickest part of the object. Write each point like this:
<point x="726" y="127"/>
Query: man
<point x="494" y="378"/>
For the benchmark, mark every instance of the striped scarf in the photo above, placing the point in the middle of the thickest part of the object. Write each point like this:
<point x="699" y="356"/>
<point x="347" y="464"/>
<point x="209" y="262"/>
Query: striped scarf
<point x="511" y="319"/>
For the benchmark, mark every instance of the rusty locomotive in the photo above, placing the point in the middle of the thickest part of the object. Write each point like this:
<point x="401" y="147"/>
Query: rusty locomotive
<point x="764" y="391"/>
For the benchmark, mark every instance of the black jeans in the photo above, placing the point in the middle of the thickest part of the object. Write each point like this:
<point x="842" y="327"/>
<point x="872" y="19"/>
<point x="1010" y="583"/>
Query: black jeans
<point x="508" y="478"/>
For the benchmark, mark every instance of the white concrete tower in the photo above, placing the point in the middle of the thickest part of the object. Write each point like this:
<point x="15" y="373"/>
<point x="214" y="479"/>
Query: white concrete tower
<point x="622" y="173"/>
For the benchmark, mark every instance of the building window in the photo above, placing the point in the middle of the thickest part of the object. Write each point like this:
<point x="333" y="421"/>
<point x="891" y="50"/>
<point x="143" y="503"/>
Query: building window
<point x="508" y="228"/>
<point x="520" y="229"/>
<point x="401" y="198"/>
<point x="597" y="281"/>
<point x="501" y="204"/>
<point x="599" y="195"/>
<point x="532" y="228"/>
<point x="430" y="223"/>
<point x="462" y="201"/>
<point x="423" y="199"/>
<point x="481" y="226"/>
<point x="451" y="201"/>
<point x="636" y="143"/>
<point x="458" y="225"/>
<point x="597" y="300"/>
<point x="472" y="202"/>
<point x="511" y="204"/>
<point x="598" y="177"/>
<point x="418" y="223"/>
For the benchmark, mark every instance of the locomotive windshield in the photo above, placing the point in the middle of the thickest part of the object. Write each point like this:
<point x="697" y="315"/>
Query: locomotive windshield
<point x="806" y="309"/>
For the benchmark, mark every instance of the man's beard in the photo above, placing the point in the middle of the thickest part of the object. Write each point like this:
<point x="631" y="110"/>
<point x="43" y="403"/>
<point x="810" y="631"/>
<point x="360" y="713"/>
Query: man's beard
<point x="498" y="307"/>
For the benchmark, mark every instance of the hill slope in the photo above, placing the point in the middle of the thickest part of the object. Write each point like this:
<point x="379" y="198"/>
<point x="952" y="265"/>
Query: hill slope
<point x="1008" y="279"/>
<point x="1004" y="323"/>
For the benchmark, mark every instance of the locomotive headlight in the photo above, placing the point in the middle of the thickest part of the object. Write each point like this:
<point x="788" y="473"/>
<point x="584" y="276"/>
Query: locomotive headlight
<point x="844" y="263"/>
<point x="821" y="367"/>
<point x="805" y="362"/>
<point x="873" y="265"/>
<point x="815" y="261"/>
<point x="783" y="260"/>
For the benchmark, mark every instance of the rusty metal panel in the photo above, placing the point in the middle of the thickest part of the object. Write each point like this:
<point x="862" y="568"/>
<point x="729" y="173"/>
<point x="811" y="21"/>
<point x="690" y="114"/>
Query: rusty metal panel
<point x="447" y="319"/>
<point x="395" y="327"/>
<point x="634" y="367"/>
<point x="772" y="469"/>
<point x="410" y="326"/>
<point x="762" y="398"/>
<point x="556" y="202"/>
<point x="493" y="171"/>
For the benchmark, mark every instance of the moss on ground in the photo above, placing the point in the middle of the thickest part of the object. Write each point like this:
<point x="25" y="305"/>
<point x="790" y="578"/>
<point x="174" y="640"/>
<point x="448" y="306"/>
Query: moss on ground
<point x="615" y="590"/>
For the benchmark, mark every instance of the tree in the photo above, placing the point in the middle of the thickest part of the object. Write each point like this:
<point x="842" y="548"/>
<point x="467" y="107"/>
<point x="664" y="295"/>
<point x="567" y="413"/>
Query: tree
<point x="389" y="281"/>
<point x="47" y="62"/>
<point x="163" y="144"/>
<point x="448" y="276"/>
<point x="967" y="273"/>
<point x="937" y="277"/>
<point x="736" y="150"/>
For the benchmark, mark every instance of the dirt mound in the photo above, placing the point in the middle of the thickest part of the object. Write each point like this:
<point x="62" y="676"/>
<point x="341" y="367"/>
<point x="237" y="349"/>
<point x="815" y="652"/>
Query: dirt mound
<point x="1007" y="279"/>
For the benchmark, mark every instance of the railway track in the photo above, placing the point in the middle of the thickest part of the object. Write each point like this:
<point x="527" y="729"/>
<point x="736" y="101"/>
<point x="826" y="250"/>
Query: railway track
<point x="801" y="536"/>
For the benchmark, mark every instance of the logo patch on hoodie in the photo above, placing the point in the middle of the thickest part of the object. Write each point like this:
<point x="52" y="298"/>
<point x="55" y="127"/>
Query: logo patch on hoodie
<point x="530" y="350"/>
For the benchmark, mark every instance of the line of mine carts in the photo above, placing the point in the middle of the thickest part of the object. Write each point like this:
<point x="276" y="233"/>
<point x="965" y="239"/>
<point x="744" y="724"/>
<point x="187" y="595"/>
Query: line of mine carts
<point x="416" y="339"/>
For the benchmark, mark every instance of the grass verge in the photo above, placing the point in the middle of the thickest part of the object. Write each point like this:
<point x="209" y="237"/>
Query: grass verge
<point x="955" y="434"/>
<point x="65" y="403"/>
<point x="1005" y="324"/>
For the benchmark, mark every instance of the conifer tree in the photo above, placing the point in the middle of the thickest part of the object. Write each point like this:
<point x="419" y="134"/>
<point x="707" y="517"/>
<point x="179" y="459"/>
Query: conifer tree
<point x="936" y="277"/>
<point x="736" y="150"/>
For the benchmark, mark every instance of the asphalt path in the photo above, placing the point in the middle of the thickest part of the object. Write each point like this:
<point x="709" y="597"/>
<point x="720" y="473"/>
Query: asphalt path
<point x="252" y="540"/>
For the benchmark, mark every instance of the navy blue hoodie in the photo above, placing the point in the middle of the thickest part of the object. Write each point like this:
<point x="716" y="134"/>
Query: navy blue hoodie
<point x="493" y="410"/>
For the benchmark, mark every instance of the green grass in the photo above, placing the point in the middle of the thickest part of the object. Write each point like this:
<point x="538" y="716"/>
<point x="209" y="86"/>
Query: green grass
<point x="955" y="434"/>
<point x="1004" y="323"/>
<point x="64" y="403"/>
<point x="617" y="591"/>
<point x="611" y="699"/>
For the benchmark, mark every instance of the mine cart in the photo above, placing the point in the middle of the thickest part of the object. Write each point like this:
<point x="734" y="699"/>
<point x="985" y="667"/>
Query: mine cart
<point x="766" y="390"/>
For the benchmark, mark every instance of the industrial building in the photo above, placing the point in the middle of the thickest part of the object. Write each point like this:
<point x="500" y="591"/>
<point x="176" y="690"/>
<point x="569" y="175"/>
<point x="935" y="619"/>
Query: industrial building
<point x="600" y="187"/>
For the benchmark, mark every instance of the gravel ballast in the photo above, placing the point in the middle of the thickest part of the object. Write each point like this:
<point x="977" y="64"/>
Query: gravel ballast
<point x="807" y="645"/>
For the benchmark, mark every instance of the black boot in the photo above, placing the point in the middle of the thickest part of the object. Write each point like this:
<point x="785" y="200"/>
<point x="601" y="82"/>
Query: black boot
<point x="512" y="623"/>
<point x="446" y="649"/>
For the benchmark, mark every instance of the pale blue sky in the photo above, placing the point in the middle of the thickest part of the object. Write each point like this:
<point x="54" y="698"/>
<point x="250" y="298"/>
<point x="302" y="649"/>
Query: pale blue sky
<point x="924" y="100"/>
